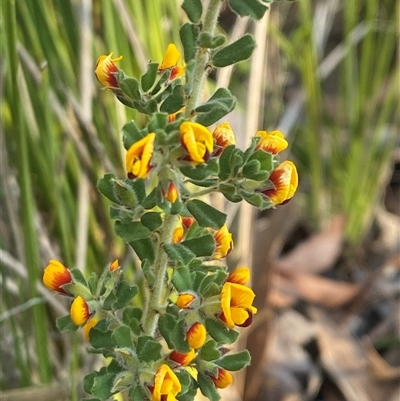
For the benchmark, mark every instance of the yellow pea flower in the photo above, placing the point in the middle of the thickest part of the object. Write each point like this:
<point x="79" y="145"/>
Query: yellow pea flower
<point x="166" y="384"/>
<point x="272" y="142"/>
<point x="285" y="181"/>
<point x="197" y="140"/>
<point x="223" y="137"/>
<point x="106" y="71"/>
<point x="139" y="156"/>
<point x="80" y="312"/>
<point x="56" y="275"/>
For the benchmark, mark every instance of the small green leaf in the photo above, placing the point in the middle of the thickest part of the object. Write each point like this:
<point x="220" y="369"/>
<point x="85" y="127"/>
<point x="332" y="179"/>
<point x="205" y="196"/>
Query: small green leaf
<point x="193" y="9"/>
<point x="178" y="252"/>
<point x="150" y="107"/>
<point x="102" y="386"/>
<point x="178" y="337"/>
<point x="209" y="351"/>
<point x="197" y="279"/>
<point x="207" y="387"/>
<point x="148" y="349"/>
<point x="132" y="231"/>
<point x="201" y="171"/>
<point x="131" y="134"/>
<point x="88" y="382"/>
<point x="218" y="106"/>
<point x="208" y="41"/>
<point x="106" y="187"/>
<point x="235" y="52"/>
<point x="248" y="8"/>
<point x="100" y="338"/>
<point x="185" y="379"/>
<point x="225" y="169"/>
<point x="124" y="294"/>
<point x="220" y="333"/>
<point x="158" y="122"/>
<point x="181" y="279"/>
<point x="174" y="102"/>
<point x="166" y="325"/>
<point x="151" y="220"/>
<point x="65" y="323"/>
<point x="129" y="85"/>
<point x="138" y="393"/>
<point x="206" y="215"/>
<point x="234" y="362"/>
<point x="188" y="35"/>
<point x="201" y="246"/>
<point x="122" y="337"/>
<point x="149" y="77"/>
<point x="230" y="192"/>
<point x="144" y="249"/>
<point x="151" y="199"/>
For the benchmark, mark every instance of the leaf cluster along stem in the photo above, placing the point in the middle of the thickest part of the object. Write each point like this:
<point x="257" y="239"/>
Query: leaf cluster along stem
<point x="202" y="56"/>
<point x="156" y="298"/>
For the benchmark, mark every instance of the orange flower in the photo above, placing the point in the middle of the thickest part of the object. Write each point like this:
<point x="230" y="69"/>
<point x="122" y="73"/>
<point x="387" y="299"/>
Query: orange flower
<point x="224" y="243"/>
<point x="223" y="137"/>
<point x="172" y="193"/>
<point x="184" y="300"/>
<point x="166" y="384"/>
<point x="56" y="275"/>
<point x="241" y="275"/>
<point x="285" y="181"/>
<point x="89" y="326"/>
<point x="188" y="221"/>
<point x="236" y="304"/>
<point x="197" y="140"/>
<point x="139" y="156"/>
<point x="223" y="379"/>
<point x="272" y="142"/>
<point x="182" y="358"/>
<point x="106" y="71"/>
<point x="80" y="312"/>
<point x="170" y="61"/>
<point x="178" y="233"/>
<point x="196" y="335"/>
<point x="114" y="265"/>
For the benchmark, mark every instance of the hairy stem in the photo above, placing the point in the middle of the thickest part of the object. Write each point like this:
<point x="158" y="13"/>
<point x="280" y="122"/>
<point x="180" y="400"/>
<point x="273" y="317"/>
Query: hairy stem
<point x="156" y="296"/>
<point x="202" y="55"/>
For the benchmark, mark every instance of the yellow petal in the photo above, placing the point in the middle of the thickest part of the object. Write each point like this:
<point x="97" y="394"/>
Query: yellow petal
<point x="55" y="275"/>
<point x="80" y="312"/>
<point x="241" y="275"/>
<point x="139" y="155"/>
<point x="272" y="142"/>
<point x="171" y="57"/>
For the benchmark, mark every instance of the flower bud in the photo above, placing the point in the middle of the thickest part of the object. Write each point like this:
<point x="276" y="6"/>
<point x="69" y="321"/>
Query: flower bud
<point x="124" y="193"/>
<point x="223" y="137"/>
<point x="182" y="358"/>
<point x="184" y="300"/>
<point x="114" y="265"/>
<point x="106" y="71"/>
<point x="196" y="335"/>
<point x="223" y="378"/>
<point x="56" y="275"/>
<point x="80" y="312"/>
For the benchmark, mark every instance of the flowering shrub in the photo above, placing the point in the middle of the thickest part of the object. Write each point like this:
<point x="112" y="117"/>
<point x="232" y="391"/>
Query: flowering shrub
<point x="177" y="343"/>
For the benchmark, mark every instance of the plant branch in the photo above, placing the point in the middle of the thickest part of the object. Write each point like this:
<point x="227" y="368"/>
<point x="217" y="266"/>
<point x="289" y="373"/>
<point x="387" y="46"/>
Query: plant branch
<point x="156" y="296"/>
<point x="202" y="55"/>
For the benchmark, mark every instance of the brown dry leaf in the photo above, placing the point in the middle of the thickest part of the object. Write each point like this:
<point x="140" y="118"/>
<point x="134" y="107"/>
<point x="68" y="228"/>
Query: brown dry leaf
<point x="286" y="289"/>
<point x="342" y="357"/>
<point x="317" y="253"/>
<point x="323" y="291"/>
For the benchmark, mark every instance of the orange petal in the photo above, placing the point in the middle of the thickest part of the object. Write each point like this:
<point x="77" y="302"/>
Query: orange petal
<point x="196" y="335"/>
<point x="241" y="275"/>
<point x="55" y="275"/>
<point x="223" y="379"/>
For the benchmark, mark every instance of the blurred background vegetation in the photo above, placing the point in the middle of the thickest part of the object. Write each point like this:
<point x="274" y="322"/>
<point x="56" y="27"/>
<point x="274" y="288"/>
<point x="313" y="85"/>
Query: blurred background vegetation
<point x="329" y="79"/>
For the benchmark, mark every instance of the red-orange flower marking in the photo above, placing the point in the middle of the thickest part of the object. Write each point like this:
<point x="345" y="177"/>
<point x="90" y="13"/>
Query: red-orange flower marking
<point x="106" y="71"/>
<point x="223" y="378"/>
<point x="56" y="275"/>
<point x="80" y="311"/>
<point x="272" y="142"/>
<point x="285" y="181"/>
<point x="223" y="137"/>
